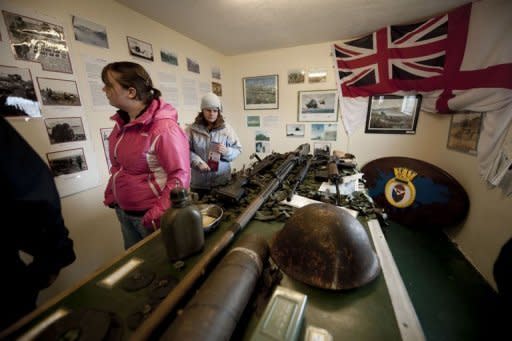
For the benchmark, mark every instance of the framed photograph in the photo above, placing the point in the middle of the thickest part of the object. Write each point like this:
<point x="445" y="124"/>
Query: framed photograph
<point x="296" y="76"/>
<point x="105" y="133"/>
<point x="324" y="132"/>
<point x="317" y="76"/>
<point x="295" y="130"/>
<point x="192" y="66"/>
<point x="67" y="161"/>
<point x="464" y="132"/>
<point x="65" y="129"/>
<point x="89" y="33"/>
<point x="261" y="92"/>
<point x="140" y="48"/>
<point x="217" y="88"/>
<point x="17" y="93"/>
<point x="253" y="121"/>
<point x="38" y="41"/>
<point x="390" y="114"/>
<point x="262" y="147"/>
<point x="322" y="149"/>
<point x="262" y="135"/>
<point x="319" y="105"/>
<point x="216" y="72"/>
<point x="169" y="57"/>
<point x="58" y="91"/>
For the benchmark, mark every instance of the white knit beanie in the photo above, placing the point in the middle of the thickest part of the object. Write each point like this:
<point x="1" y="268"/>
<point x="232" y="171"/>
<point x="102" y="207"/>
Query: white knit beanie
<point x="211" y="100"/>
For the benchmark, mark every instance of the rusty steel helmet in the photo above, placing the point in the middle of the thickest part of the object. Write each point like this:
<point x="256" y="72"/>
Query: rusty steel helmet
<point x="326" y="247"/>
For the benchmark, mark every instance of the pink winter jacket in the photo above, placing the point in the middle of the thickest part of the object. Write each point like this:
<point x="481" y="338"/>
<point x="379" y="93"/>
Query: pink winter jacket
<point x="149" y="155"/>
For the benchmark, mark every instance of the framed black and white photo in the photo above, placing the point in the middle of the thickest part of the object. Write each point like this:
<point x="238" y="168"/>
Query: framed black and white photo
<point x="169" y="57"/>
<point x="295" y="130"/>
<point x="38" y="41"/>
<point x="261" y="92"/>
<point x="193" y="66"/>
<point x="317" y="76"/>
<point x="105" y="134"/>
<point x="324" y="131"/>
<point x="391" y="114"/>
<point x="464" y="132"/>
<point x="253" y="121"/>
<point x="67" y="161"/>
<point x="89" y="33"/>
<point x="140" y="48"/>
<point x="18" y="95"/>
<point x="65" y="129"/>
<point x="216" y="72"/>
<point x="58" y="91"/>
<point x="318" y="106"/>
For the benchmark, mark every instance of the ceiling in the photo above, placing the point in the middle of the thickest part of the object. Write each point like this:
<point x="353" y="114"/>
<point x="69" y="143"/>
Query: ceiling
<point x="234" y="27"/>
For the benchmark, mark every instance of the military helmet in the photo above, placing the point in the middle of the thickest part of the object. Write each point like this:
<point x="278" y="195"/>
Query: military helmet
<point x="324" y="246"/>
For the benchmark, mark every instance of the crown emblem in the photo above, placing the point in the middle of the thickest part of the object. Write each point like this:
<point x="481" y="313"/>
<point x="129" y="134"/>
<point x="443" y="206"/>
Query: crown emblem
<point x="404" y="174"/>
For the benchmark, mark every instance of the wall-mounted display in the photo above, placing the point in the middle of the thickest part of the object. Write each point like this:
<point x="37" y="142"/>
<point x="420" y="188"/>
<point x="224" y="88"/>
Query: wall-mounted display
<point x="67" y="161"/>
<point x="261" y="92"/>
<point x="317" y="76"/>
<point x="296" y="76"/>
<point x="216" y="72"/>
<point x="65" y="129"/>
<point x="17" y="93"/>
<point x="38" y="41"/>
<point x="169" y="57"/>
<point x="105" y="133"/>
<point x="140" y="48"/>
<point x="391" y="114"/>
<point x="324" y="131"/>
<point x="295" y="130"/>
<point x="253" y="121"/>
<point x="318" y="106"/>
<point x="89" y="33"/>
<point x="193" y="66"/>
<point x="464" y="132"/>
<point x="217" y="88"/>
<point x="58" y="91"/>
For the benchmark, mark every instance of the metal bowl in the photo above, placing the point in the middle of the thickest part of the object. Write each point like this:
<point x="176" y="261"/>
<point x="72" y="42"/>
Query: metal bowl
<point x="211" y="214"/>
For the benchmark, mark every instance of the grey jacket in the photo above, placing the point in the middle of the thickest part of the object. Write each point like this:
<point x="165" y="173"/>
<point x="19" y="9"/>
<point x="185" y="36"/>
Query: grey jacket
<point x="199" y="140"/>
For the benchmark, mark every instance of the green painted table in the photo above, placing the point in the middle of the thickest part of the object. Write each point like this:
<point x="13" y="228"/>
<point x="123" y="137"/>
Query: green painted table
<point x="365" y="313"/>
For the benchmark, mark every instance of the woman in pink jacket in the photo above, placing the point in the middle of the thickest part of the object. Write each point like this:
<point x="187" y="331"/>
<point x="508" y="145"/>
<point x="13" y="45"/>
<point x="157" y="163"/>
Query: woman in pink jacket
<point x="148" y="150"/>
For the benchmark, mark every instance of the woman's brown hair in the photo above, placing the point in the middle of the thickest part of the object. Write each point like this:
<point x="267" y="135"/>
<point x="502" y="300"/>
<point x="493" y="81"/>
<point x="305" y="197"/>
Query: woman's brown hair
<point x="132" y="75"/>
<point x="219" y="122"/>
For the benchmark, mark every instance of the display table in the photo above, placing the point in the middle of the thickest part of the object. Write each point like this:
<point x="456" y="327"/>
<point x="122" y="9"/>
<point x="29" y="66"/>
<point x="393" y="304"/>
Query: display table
<point x="364" y="313"/>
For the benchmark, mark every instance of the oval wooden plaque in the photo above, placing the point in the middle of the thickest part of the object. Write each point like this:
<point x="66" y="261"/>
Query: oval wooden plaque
<point x="416" y="193"/>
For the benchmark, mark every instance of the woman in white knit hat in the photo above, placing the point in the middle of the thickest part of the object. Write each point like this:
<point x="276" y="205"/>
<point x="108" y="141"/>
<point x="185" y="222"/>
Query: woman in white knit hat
<point x="213" y="145"/>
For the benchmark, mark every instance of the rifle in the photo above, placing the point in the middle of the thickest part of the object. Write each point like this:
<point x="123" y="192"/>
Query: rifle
<point x="145" y="330"/>
<point x="298" y="180"/>
<point x="334" y="176"/>
<point x="235" y="190"/>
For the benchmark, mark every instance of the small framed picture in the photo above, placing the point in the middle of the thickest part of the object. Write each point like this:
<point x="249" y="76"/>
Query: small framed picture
<point x="319" y="105"/>
<point x="295" y="130"/>
<point x="261" y="92"/>
<point x="18" y="95"/>
<point x="65" y="129"/>
<point x="169" y="57"/>
<point x="217" y="88"/>
<point x="89" y="32"/>
<point x="253" y="121"/>
<point x="296" y="76"/>
<point x="140" y="48"/>
<point x="105" y="134"/>
<point x="67" y="161"/>
<point x="58" y="91"/>
<point x="324" y="131"/>
<point x="193" y="66"/>
<point x="464" y="132"/>
<point x="317" y="76"/>
<point x="391" y="114"/>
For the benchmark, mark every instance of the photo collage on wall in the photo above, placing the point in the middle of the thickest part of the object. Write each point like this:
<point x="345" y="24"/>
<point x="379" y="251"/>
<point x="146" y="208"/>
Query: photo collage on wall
<point x="46" y="90"/>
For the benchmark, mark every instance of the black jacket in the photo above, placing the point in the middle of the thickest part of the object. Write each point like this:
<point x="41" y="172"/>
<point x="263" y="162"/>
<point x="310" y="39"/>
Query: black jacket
<point x="30" y="220"/>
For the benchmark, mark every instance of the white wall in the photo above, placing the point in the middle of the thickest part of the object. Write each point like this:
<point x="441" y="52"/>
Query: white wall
<point x="95" y="229"/>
